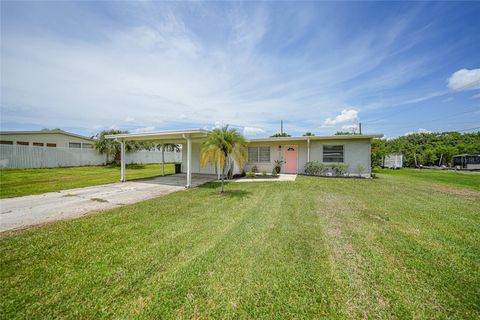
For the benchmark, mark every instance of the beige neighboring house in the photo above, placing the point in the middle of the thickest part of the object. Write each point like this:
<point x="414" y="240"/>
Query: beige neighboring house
<point x="46" y="138"/>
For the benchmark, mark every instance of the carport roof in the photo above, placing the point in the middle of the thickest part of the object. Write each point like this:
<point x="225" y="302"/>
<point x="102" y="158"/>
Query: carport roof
<point x="170" y="135"/>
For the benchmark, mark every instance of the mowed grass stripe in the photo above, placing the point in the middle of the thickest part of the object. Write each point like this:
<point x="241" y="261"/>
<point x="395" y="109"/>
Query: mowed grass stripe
<point x="314" y="248"/>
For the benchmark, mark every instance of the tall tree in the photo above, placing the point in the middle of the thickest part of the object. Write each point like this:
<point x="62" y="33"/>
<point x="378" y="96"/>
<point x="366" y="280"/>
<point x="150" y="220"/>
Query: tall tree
<point x="224" y="147"/>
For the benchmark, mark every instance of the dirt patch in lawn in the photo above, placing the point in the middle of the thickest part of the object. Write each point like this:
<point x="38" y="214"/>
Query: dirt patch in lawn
<point x="466" y="193"/>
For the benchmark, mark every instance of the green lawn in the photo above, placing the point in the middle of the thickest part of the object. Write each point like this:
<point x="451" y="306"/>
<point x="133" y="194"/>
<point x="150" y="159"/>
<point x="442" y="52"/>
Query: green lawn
<point x="22" y="182"/>
<point x="468" y="179"/>
<point x="393" y="247"/>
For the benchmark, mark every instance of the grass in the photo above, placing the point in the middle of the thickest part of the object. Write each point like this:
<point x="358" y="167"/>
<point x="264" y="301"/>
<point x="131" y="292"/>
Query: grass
<point x="22" y="182"/>
<point x="393" y="247"/>
<point x="468" y="179"/>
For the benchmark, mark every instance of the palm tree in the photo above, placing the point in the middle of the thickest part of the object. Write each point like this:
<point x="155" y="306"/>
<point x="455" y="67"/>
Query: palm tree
<point x="224" y="147"/>
<point x="111" y="147"/>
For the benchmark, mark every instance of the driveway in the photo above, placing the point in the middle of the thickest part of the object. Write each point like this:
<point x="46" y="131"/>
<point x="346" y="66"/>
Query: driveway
<point x="52" y="206"/>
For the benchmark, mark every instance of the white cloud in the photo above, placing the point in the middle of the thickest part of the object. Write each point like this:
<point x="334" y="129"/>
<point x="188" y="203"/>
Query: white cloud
<point x="144" y="129"/>
<point x="465" y="79"/>
<point x="347" y="115"/>
<point x="476" y="96"/>
<point x="164" y="71"/>
<point x="252" y="131"/>
<point x="420" y="130"/>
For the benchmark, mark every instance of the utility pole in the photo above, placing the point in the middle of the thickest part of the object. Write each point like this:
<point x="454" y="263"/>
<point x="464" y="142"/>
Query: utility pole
<point x="281" y="127"/>
<point x="359" y="128"/>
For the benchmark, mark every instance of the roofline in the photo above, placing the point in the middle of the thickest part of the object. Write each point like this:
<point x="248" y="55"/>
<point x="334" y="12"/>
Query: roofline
<point x="305" y="138"/>
<point x="155" y="133"/>
<point x="48" y="132"/>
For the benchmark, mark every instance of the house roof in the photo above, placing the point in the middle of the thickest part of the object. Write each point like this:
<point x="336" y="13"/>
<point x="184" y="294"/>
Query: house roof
<point x="47" y="132"/>
<point x="467" y="155"/>
<point x="305" y="138"/>
<point x="176" y="135"/>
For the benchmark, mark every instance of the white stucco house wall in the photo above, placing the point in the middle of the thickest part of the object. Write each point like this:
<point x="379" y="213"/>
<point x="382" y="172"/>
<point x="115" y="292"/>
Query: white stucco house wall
<point x="351" y="150"/>
<point x="46" y="138"/>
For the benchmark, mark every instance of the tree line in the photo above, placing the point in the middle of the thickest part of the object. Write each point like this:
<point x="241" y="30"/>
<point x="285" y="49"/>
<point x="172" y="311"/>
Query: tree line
<point x="426" y="149"/>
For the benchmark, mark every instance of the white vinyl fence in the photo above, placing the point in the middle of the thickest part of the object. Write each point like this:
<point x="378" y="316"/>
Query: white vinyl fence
<point x="13" y="156"/>
<point x="145" y="156"/>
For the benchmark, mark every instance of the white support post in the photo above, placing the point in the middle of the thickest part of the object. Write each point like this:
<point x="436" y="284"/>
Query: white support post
<point x="122" y="161"/>
<point x="189" y="162"/>
<point x="308" y="150"/>
<point x="163" y="160"/>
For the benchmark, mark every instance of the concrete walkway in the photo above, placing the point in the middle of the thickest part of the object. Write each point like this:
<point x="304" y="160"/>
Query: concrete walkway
<point x="26" y="211"/>
<point x="281" y="177"/>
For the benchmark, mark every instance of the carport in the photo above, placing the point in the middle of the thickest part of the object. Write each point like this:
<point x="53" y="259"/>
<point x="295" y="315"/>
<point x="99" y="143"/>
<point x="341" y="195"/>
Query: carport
<point x="184" y="137"/>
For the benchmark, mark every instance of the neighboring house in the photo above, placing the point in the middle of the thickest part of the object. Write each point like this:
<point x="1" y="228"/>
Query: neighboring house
<point x="393" y="161"/>
<point x="352" y="150"/>
<point x="46" y="138"/>
<point x="467" y="161"/>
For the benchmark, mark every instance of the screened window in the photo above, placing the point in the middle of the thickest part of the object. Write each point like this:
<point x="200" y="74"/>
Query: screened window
<point x="332" y="153"/>
<point x="51" y="145"/>
<point x="74" y="145"/>
<point x="259" y="154"/>
<point x="87" y="145"/>
<point x="38" y="144"/>
<point x="6" y="142"/>
<point x="22" y="143"/>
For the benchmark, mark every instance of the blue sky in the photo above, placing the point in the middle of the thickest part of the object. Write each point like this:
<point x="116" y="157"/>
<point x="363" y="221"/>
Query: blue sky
<point x="321" y="67"/>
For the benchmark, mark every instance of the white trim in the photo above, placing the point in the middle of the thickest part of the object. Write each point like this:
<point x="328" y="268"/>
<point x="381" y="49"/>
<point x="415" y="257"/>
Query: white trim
<point x="189" y="162"/>
<point x="122" y="162"/>
<point x="157" y="134"/>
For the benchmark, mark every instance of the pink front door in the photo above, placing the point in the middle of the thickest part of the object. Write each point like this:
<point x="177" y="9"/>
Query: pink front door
<point x="290" y="156"/>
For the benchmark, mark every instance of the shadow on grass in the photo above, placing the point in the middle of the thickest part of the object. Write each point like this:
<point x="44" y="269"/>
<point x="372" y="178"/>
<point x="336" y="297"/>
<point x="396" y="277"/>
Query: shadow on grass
<point x="239" y="194"/>
<point x="235" y="193"/>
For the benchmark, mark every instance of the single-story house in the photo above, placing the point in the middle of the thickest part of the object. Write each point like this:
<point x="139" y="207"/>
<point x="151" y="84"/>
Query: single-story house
<point x="46" y="138"/>
<point x="351" y="150"/>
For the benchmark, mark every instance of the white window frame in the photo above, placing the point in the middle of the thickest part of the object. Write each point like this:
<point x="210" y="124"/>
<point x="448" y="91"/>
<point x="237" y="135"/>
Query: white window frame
<point x="75" y="143"/>
<point x="333" y="145"/>
<point x="257" y="160"/>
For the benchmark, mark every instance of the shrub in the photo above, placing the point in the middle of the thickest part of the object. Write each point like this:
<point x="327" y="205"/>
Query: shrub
<point x="323" y="169"/>
<point x="264" y="173"/>
<point x="274" y="173"/>
<point x="278" y="166"/>
<point x="254" y="169"/>
<point x="312" y="167"/>
<point x="360" y="170"/>
<point x="250" y="174"/>
<point x="340" y="169"/>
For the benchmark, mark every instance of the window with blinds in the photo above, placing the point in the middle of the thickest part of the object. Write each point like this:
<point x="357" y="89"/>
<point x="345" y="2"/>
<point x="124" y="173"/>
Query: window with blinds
<point x="258" y="154"/>
<point x="332" y="153"/>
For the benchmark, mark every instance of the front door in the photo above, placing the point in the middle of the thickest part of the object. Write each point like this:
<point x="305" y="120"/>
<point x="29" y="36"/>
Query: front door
<point x="290" y="154"/>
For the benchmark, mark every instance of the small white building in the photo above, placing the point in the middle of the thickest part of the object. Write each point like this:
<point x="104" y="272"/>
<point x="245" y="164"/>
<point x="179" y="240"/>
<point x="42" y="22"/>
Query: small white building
<point x="354" y="151"/>
<point x="46" y="138"/>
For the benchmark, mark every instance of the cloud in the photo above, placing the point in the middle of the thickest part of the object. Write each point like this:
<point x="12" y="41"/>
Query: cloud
<point x="155" y="64"/>
<point x="476" y="96"/>
<point x="347" y="115"/>
<point x="252" y="131"/>
<point x="465" y="79"/>
<point x="420" y="130"/>
<point x="144" y="129"/>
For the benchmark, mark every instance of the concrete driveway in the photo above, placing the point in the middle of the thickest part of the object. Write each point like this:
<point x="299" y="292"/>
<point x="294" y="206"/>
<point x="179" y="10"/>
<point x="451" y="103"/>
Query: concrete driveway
<point x="26" y="211"/>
